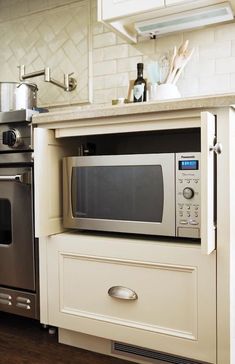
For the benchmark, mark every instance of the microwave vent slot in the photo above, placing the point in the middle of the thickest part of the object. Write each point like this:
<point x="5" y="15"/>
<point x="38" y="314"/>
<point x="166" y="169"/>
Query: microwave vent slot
<point x="152" y="356"/>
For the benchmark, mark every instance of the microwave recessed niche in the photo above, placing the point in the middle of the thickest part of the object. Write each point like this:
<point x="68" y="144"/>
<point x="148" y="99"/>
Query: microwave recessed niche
<point x="140" y="183"/>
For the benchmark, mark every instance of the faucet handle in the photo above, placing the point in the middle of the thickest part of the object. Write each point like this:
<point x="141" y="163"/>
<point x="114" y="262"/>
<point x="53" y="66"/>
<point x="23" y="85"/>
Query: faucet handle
<point x="21" y="71"/>
<point x="70" y="82"/>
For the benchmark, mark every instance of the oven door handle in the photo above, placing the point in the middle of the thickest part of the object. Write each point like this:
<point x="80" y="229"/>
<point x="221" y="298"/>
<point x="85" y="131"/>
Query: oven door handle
<point x="22" y="178"/>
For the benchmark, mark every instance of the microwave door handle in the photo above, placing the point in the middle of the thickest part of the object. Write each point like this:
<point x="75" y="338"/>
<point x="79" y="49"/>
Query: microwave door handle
<point x="207" y="183"/>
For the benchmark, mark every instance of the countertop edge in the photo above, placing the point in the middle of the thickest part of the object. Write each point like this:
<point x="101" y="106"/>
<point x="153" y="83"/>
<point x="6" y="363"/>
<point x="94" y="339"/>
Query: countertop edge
<point x="101" y="111"/>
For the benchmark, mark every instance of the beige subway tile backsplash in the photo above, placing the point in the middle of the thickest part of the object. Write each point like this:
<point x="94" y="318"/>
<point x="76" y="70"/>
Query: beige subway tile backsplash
<point x="66" y="36"/>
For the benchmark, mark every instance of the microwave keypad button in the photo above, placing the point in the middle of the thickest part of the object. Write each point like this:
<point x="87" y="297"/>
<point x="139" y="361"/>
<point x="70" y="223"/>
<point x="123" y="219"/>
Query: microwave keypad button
<point x="187" y="180"/>
<point x="188" y="193"/>
<point x="181" y="213"/>
<point x="180" y="180"/>
<point x="188" y="207"/>
<point x="188" y="213"/>
<point x="183" y="222"/>
<point x="196" y="214"/>
<point x="196" y="208"/>
<point x="193" y="222"/>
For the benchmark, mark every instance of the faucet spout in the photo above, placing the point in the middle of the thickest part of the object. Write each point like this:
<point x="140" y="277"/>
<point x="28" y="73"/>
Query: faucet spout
<point x="69" y="82"/>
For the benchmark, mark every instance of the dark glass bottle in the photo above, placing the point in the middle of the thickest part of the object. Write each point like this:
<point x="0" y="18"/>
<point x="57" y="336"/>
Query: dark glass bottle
<point x="139" y="90"/>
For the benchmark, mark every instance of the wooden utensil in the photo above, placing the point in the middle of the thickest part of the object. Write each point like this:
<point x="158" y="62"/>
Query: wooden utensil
<point x="179" y="71"/>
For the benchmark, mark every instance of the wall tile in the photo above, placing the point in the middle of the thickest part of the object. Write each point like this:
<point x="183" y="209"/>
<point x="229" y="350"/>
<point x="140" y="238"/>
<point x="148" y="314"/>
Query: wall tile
<point x="215" y="84"/>
<point x="128" y="64"/>
<point x="224" y="32"/>
<point x="215" y="50"/>
<point x="104" y="40"/>
<point x="105" y="68"/>
<point x="115" y="52"/>
<point x="225" y="65"/>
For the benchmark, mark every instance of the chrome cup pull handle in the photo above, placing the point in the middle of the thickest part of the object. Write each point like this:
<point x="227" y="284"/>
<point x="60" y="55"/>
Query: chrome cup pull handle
<point x="122" y="293"/>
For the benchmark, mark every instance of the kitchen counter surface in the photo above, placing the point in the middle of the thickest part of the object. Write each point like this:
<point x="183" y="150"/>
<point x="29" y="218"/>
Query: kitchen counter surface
<point x="104" y="111"/>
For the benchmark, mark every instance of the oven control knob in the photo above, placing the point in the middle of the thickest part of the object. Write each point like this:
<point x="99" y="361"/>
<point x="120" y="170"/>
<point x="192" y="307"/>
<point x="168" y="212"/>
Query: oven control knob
<point x="12" y="138"/>
<point x="188" y="193"/>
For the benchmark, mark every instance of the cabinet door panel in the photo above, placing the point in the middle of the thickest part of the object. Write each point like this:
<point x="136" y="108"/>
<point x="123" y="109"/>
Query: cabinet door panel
<point x="175" y="311"/>
<point x="176" y="2"/>
<point x="118" y="8"/>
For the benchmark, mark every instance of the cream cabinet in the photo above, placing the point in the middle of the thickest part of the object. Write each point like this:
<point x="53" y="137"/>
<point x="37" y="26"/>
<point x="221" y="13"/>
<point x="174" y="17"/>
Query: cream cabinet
<point x="178" y="2"/>
<point x="183" y="293"/>
<point x="118" y="8"/>
<point x="172" y="302"/>
<point x="123" y="16"/>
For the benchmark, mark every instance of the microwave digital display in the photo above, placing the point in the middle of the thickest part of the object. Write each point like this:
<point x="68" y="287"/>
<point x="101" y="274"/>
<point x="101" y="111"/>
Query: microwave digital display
<point x="188" y="165"/>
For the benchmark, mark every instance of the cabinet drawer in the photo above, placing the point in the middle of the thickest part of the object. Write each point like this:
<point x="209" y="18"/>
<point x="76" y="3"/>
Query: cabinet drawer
<point x="166" y="295"/>
<point x="174" y="310"/>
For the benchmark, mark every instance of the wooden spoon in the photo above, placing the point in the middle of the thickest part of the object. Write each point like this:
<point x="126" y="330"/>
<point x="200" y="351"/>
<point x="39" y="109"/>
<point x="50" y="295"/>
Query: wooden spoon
<point x="180" y="69"/>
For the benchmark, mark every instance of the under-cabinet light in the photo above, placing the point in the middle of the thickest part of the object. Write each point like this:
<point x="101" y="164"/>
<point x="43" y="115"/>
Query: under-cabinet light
<point x="186" y="20"/>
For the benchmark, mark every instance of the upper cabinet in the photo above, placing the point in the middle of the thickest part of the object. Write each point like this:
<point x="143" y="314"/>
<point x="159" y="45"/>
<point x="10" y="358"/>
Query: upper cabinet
<point x="135" y="19"/>
<point x="174" y="2"/>
<point x="118" y="8"/>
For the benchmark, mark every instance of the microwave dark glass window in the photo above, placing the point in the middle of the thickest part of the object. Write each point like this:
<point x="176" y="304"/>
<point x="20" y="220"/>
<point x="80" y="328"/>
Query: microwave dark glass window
<point x="5" y="221"/>
<point x="132" y="193"/>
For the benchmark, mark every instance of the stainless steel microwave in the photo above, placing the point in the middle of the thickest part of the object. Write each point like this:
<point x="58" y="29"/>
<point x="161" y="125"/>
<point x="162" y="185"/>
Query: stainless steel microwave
<point x="154" y="194"/>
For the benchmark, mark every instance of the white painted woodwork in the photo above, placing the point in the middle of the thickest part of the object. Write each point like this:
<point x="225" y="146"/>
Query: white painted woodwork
<point x="176" y="286"/>
<point x="120" y="8"/>
<point x="48" y="154"/>
<point x="226" y="237"/>
<point x="121" y="15"/>
<point x="207" y="182"/>
<point x="177" y="2"/>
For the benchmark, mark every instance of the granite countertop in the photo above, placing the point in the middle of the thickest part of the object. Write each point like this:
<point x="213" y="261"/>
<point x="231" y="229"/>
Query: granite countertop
<point x="103" y="111"/>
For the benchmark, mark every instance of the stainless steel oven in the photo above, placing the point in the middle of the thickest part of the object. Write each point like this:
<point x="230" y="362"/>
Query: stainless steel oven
<point x="18" y="247"/>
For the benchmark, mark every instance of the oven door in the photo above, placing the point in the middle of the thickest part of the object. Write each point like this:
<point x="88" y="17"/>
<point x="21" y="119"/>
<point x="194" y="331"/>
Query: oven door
<point x="16" y="228"/>
<point x="121" y="193"/>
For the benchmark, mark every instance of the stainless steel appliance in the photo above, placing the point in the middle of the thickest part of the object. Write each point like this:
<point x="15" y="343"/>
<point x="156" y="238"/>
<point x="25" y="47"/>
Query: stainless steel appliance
<point x="17" y="96"/>
<point x="155" y="194"/>
<point x="18" y="248"/>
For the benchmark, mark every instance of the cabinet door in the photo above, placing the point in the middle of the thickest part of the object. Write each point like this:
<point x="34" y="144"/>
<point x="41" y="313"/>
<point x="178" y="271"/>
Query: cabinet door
<point x="153" y="295"/>
<point x="48" y="154"/>
<point x="109" y="9"/>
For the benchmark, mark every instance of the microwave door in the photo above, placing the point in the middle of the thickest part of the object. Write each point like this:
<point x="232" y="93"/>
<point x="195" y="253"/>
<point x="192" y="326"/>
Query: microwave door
<point x="127" y="193"/>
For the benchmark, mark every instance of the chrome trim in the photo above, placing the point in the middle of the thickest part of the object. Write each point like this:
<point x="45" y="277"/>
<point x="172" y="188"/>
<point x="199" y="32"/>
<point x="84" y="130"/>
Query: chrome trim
<point x="23" y="305"/>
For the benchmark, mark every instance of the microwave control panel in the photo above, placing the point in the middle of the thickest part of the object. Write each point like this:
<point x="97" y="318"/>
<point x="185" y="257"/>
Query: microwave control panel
<point x="188" y="195"/>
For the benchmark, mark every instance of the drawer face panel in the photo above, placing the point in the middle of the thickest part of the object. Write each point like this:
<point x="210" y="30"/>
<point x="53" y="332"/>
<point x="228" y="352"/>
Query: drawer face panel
<point x="167" y="295"/>
<point x="172" y="286"/>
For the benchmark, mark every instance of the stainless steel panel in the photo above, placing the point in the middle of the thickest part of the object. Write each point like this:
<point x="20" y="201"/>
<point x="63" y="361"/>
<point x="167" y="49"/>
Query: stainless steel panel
<point x="188" y="197"/>
<point x="20" y="302"/>
<point x="24" y="115"/>
<point x="17" y="258"/>
<point x="17" y="96"/>
<point x="15" y="158"/>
